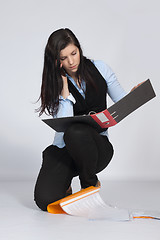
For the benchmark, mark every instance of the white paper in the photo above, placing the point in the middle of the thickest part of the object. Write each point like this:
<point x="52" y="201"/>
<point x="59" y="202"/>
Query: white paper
<point x="102" y="117"/>
<point x="93" y="207"/>
<point x="88" y="203"/>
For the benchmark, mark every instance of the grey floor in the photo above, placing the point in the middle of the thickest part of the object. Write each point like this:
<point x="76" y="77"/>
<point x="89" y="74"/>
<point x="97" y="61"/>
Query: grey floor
<point x="21" y="219"/>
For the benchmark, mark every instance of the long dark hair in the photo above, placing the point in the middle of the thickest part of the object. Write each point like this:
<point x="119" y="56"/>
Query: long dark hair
<point x="52" y="82"/>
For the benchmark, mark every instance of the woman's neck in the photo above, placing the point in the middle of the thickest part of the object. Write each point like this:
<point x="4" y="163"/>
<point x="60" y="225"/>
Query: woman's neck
<point x="75" y="79"/>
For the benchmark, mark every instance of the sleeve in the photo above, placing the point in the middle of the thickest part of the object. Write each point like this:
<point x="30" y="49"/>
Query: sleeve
<point x="65" y="108"/>
<point x="115" y="91"/>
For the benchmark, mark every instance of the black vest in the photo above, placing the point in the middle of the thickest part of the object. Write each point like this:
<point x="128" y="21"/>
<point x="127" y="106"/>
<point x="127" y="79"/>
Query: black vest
<point x="95" y="96"/>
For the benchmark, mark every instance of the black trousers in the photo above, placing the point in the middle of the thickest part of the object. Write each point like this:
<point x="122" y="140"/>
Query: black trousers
<point x="86" y="153"/>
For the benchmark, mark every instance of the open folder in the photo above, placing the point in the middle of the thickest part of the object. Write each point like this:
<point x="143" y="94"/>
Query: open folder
<point x="111" y="116"/>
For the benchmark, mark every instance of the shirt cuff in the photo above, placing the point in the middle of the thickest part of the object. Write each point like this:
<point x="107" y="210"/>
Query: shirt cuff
<point x="70" y="97"/>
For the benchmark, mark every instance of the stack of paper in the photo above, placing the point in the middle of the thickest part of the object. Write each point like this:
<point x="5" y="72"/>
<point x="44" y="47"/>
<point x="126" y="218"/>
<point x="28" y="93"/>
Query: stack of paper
<point x="89" y="204"/>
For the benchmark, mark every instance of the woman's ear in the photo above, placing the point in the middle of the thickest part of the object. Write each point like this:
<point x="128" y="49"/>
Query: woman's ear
<point x="60" y="64"/>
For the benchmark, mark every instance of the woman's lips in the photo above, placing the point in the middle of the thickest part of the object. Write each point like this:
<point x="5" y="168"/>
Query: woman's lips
<point x="73" y="67"/>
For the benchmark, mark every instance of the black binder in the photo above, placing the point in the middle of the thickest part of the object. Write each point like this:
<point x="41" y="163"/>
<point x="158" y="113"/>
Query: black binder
<point x="111" y="116"/>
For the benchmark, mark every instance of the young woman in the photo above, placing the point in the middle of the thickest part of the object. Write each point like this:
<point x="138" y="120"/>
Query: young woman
<point x="73" y="85"/>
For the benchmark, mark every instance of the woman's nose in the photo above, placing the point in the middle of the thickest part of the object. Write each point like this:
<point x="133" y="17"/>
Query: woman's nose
<point x="70" y="60"/>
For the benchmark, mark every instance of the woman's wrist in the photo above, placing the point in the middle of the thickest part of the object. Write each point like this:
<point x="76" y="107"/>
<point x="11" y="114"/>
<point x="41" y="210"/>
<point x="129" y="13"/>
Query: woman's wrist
<point x="65" y="91"/>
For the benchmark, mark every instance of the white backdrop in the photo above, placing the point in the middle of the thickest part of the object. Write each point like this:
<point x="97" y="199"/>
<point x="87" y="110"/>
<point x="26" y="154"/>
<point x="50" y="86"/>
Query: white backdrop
<point x="125" y="34"/>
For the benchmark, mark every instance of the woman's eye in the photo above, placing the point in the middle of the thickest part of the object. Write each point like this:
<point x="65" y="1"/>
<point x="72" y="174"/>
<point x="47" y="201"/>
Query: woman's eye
<point x="74" y="53"/>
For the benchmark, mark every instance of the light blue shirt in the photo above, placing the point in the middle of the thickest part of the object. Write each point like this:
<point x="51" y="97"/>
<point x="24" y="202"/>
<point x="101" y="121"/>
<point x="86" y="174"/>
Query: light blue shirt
<point x="65" y="109"/>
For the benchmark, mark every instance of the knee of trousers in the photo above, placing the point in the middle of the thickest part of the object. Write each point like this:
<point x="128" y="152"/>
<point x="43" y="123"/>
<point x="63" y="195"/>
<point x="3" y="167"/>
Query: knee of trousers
<point x="41" y="204"/>
<point x="77" y="130"/>
<point x="50" y="156"/>
<point x="42" y="201"/>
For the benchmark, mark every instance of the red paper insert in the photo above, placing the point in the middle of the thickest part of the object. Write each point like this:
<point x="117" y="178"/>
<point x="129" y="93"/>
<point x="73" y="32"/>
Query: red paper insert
<point x="104" y="119"/>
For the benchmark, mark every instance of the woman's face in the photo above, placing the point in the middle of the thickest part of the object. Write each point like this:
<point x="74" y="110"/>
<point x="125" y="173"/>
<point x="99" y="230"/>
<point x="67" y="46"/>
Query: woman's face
<point x="70" y="59"/>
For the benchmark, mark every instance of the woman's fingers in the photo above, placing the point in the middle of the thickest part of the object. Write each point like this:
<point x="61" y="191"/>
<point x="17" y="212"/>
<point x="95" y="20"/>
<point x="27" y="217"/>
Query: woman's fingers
<point x="137" y="86"/>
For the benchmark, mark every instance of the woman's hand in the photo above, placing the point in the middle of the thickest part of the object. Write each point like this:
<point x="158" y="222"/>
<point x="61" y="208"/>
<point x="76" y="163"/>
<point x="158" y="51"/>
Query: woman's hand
<point x="137" y="86"/>
<point x="65" y="90"/>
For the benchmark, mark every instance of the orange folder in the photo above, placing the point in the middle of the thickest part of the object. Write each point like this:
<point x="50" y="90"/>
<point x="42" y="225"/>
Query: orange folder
<point x="57" y="207"/>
